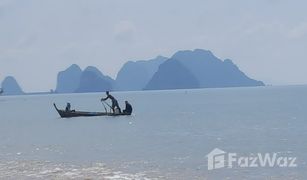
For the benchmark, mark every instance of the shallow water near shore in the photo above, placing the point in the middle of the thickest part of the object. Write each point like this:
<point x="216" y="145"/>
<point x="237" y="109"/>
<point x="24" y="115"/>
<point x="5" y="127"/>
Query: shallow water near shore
<point x="167" y="137"/>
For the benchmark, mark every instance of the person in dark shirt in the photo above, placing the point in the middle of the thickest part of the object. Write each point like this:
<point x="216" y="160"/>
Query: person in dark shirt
<point x="68" y="107"/>
<point x="114" y="102"/>
<point x="128" y="109"/>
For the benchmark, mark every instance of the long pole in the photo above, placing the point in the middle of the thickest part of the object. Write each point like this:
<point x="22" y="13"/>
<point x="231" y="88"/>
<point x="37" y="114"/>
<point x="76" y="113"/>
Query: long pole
<point x="108" y="105"/>
<point x="104" y="107"/>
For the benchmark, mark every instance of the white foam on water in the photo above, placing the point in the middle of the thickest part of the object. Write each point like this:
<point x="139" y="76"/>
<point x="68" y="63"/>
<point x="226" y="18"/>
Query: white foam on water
<point x="48" y="170"/>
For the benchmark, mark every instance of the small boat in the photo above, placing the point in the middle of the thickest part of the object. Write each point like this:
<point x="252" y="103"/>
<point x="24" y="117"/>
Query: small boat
<point x="69" y="114"/>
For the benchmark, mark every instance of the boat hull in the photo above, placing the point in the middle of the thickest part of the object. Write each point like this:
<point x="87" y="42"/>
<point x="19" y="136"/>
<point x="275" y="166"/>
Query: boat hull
<point x="70" y="114"/>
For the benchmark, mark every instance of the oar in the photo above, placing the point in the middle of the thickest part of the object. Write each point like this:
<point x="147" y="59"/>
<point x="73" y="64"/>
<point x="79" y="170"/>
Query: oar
<point x="108" y="105"/>
<point x="104" y="107"/>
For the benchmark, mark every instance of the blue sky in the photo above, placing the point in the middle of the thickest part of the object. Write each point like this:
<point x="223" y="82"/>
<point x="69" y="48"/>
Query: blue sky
<point x="267" y="39"/>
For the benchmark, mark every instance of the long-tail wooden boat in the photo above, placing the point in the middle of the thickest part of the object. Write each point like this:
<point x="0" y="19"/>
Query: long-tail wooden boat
<point x="69" y="114"/>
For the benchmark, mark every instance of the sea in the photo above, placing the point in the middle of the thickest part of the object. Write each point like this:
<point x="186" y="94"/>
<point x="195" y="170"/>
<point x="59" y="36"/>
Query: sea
<point x="169" y="135"/>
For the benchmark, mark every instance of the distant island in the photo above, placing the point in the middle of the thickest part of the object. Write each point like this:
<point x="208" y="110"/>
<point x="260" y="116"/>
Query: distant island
<point x="74" y="80"/>
<point x="10" y="87"/>
<point x="172" y="74"/>
<point x="135" y="75"/>
<point x="92" y="80"/>
<point x="184" y="70"/>
<point x="208" y="70"/>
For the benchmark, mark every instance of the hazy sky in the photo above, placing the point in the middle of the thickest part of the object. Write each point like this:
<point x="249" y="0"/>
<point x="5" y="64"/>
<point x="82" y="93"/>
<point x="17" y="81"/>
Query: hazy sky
<point x="267" y="39"/>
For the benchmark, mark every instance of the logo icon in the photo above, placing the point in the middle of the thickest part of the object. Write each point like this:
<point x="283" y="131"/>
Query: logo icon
<point x="216" y="159"/>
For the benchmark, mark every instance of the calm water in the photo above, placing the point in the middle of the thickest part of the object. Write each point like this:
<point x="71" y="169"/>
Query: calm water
<point x="168" y="136"/>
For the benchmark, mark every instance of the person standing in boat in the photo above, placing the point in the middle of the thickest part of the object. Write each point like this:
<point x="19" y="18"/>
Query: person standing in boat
<point x="128" y="109"/>
<point x="114" y="102"/>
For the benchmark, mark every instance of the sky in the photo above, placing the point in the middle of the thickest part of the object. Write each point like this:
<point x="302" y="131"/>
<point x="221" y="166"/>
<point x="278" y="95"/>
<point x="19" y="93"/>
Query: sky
<point x="267" y="39"/>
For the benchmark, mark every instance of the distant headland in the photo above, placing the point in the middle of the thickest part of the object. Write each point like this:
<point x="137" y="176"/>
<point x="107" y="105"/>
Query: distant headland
<point x="184" y="70"/>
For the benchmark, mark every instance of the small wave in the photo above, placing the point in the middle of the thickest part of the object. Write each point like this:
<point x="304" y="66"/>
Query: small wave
<point x="48" y="170"/>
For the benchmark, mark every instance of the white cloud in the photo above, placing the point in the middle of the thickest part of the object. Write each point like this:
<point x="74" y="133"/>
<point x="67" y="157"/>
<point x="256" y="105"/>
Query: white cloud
<point x="48" y="36"/>
<point x="124" y="31"/>
<point x="298" y="31"/>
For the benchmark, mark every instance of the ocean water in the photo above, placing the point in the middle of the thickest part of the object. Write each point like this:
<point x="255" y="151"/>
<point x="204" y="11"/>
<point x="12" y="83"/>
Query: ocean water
<point x="167" y="137"/>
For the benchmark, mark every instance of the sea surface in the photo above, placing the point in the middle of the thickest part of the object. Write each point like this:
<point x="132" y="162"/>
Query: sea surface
<point x="167" y="137"/>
